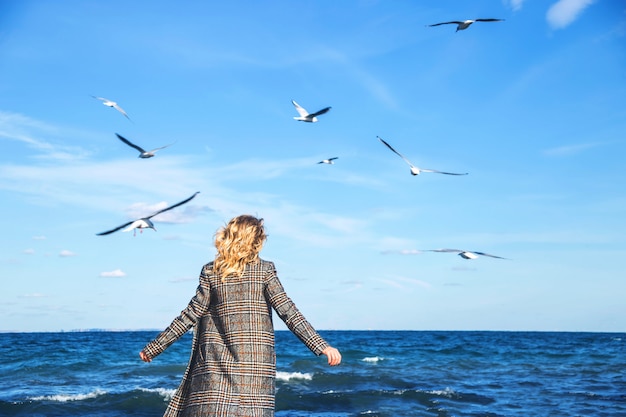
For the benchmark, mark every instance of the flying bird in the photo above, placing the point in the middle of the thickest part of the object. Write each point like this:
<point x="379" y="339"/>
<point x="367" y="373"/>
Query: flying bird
<point x="112" y="104"/>
<point x="144" y="222"/>
<point x="328" y="161"/>
<point x="305" y="116"/>
<point x="415" y="170"/>
<point x="464" y="24"/>
<point x="142" y="152"/>
<point x="465" y="254"/>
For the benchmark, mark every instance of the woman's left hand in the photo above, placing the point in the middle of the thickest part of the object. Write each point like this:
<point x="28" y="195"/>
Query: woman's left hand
<point x="144" y="357"/>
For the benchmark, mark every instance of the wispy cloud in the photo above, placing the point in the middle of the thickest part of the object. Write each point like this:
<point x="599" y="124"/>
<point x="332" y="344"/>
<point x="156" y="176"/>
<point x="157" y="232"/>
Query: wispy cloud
<point x="183" y="279"/>
<point x="404" y="283"/>
<point x="370" y="83"/>
<point x="97" y="185"/>
<point x="568" y="150"/>
<point x="402" y="252"/>
<point x="39" y="238"/>
<point x="352" y="285"/>
<point x="66" y="253"/>
<point x="116" y="273"/>
<point x="20" y="128"/>
<point x="515" y="5"/>
<point x="463" y="268"/>
<point x="29" y="251"/>
<point x="564" y="12"/>
<point x="34" y="295"/>
<point x="415" y="282"/>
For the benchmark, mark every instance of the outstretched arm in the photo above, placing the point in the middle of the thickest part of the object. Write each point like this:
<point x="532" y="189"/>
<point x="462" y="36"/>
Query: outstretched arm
<point x="295" y="321"/>
<point x="196" y="308"/>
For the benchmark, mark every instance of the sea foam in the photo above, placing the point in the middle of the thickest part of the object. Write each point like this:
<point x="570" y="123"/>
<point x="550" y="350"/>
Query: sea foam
<point x="68" y="397"/>
<point x="286" y="376"/>
<point x="373" y="359"/>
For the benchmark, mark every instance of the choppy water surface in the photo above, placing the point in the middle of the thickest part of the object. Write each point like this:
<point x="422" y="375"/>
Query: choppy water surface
<point x="384" y="373"/>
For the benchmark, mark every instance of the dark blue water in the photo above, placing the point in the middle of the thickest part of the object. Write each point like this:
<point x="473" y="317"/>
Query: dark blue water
<point x="384" y="373"/>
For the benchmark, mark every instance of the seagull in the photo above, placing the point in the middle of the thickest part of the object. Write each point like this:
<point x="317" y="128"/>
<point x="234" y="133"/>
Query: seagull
<point x="144" y="222"/>
<point x="465" y="254"/>
<point x="415" y="170"/>
<point x="142" y="152"/>
<point x="305" y="116"/>
<point x="112" y="104"/>
<point x="464" y="24"/>
<point x="328" y="161"/>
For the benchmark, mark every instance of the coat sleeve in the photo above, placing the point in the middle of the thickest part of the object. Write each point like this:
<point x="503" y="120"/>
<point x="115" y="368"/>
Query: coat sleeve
<point x="289" y="313"/>
<point x="197" y="307"/>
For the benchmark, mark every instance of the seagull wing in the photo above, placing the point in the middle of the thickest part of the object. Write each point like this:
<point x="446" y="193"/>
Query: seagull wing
<point x="108" y="232"/>
<point x="175" y="205"/>
<point x="444" y="250"/>
<point x="456" y="22"/>
<point x="100" y="98"/>
<point x="129" y="143"/>
<point x="332" y="159"/>
<point x="488" y="20"/>
<point x="394" y="151"/>
<point x="301" y="111"/>
<point x="441" y="172"/>
<point x="162" y="147"/>
<point x="319" y="112"/>
<point x="406" y="251"/>
<point x="486" y="254"/>
<point x="121" y="110"/>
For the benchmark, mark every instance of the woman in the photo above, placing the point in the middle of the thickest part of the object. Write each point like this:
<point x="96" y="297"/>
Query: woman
<point x="232" y="367"/>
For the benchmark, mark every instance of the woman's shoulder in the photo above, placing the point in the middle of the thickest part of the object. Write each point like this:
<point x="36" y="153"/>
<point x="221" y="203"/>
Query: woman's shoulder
<point x="265" y="264"/>
<point x="207" y="269"/>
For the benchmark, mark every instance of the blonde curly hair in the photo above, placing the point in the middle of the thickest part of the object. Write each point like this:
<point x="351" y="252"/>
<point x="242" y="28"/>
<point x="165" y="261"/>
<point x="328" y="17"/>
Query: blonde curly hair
<point x="238" y="244"/>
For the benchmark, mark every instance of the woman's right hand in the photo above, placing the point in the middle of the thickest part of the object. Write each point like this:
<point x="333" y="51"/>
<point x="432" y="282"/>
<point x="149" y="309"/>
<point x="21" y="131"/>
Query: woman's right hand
<point x="334" y="357"/>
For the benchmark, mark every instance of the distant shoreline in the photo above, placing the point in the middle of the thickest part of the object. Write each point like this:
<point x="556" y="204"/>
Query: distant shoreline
<point x="98" y="330"/>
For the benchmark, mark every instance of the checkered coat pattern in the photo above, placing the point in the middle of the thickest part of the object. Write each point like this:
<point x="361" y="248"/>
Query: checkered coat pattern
<point x="232" y="368"/>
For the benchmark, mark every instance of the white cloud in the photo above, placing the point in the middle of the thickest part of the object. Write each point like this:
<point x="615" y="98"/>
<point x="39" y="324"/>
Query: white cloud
<point x="39" y="238"/>
<point x="562" y="13"/>
<point x="66" y="253"/>
<point x="116" y="273"/>
<point x="29" y="251"/>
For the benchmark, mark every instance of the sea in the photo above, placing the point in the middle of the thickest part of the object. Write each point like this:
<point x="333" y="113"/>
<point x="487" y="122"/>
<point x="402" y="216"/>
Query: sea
<point x="383" y="373"/>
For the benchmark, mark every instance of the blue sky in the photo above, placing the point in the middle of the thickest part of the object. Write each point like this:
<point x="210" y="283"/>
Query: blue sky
<point x="531" y="107"/>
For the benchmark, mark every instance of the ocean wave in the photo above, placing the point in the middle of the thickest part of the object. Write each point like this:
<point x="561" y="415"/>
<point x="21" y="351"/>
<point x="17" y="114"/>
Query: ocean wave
<point x="62" y="398"/>
<point x="166" y="393"/>
<point x="287" y="376"/>
<point x="373" y="359"/>
<point x="447" y="392"/>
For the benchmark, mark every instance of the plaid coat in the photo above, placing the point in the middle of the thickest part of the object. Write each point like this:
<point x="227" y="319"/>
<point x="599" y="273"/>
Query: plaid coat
<point x="232" y="368"/>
